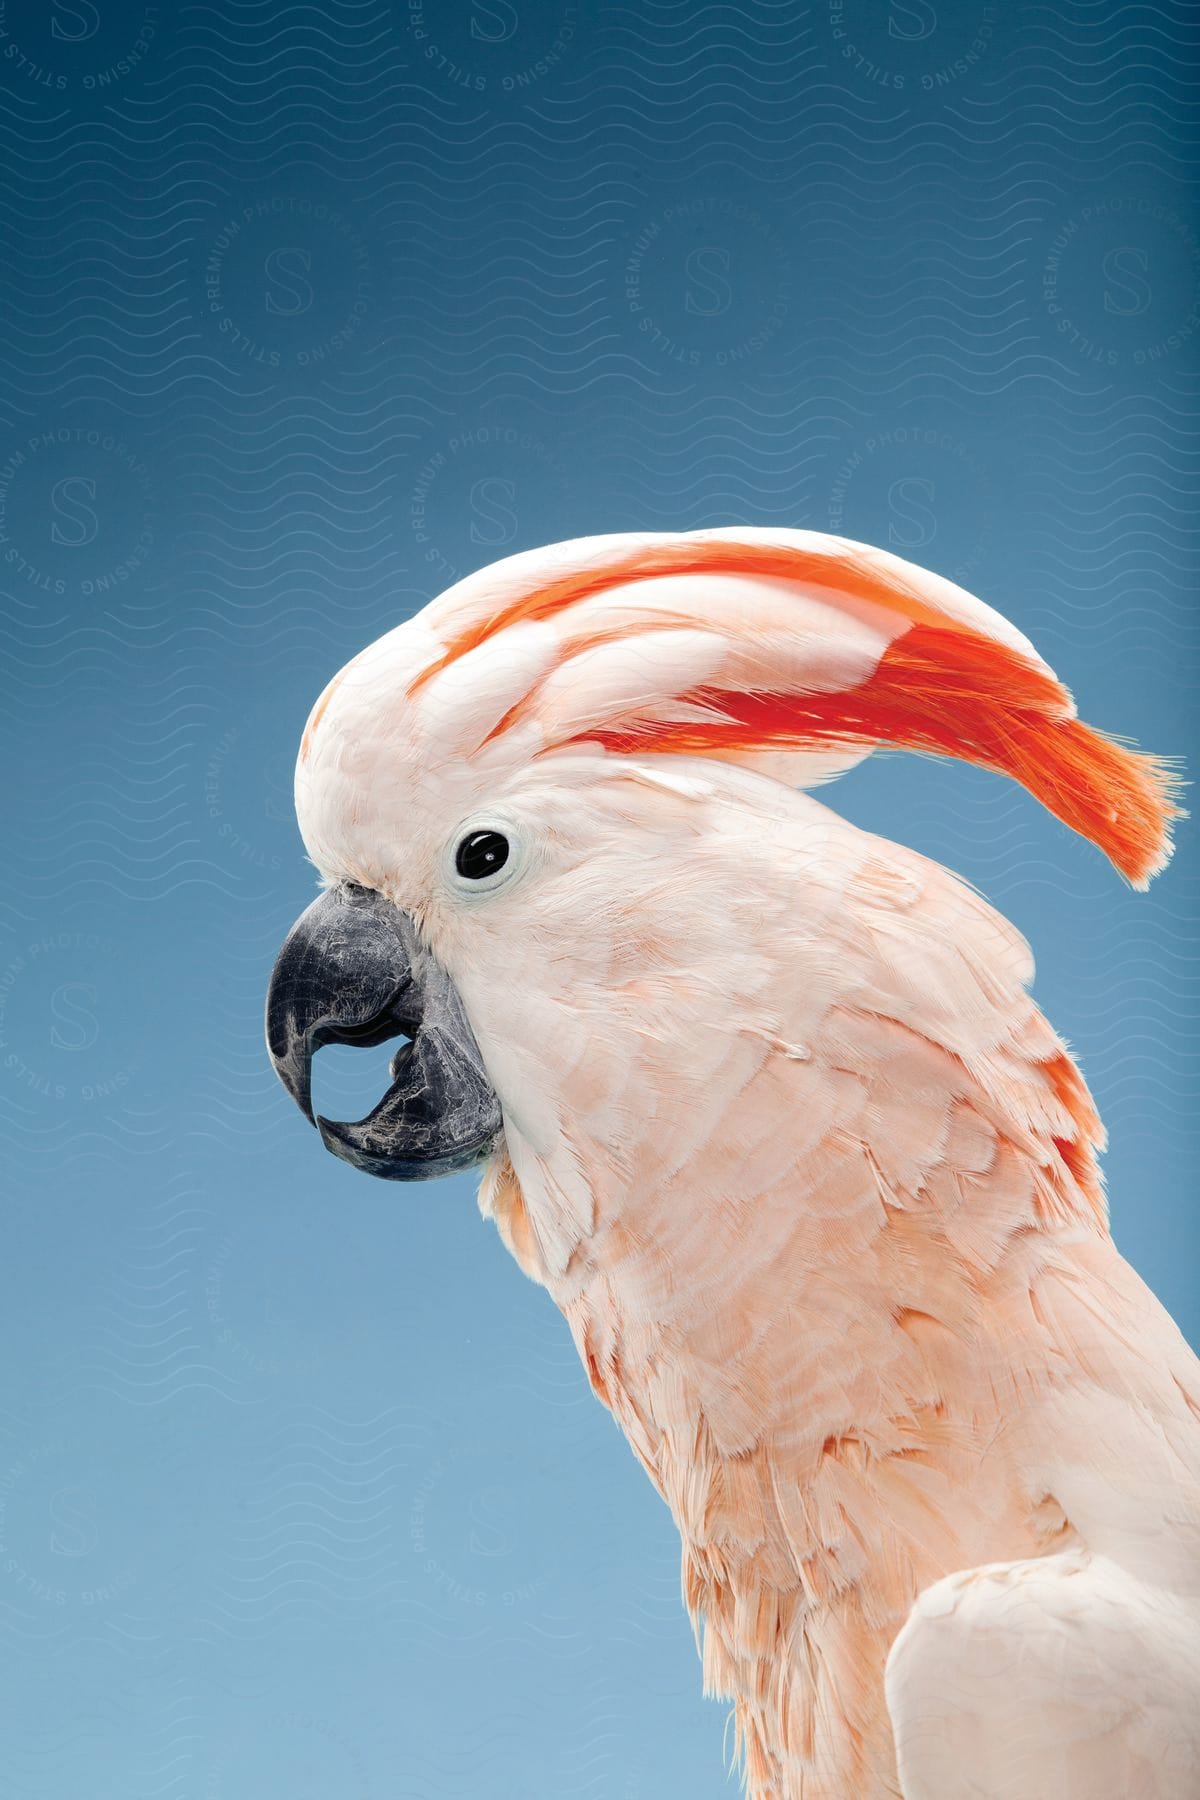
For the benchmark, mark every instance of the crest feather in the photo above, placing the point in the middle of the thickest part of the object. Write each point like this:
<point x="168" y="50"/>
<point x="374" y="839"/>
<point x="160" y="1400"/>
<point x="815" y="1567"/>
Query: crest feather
<point x="739" y="642"/>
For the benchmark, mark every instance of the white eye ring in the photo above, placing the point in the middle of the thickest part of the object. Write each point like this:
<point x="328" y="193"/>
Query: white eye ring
<point x="477" y="841"/>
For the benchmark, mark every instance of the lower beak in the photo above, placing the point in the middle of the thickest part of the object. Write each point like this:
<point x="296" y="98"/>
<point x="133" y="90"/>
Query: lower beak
<point x="353" y="971"/>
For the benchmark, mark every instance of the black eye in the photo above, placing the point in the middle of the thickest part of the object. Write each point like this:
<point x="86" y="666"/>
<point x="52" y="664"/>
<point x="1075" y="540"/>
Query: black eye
<point x="480" y="854"/>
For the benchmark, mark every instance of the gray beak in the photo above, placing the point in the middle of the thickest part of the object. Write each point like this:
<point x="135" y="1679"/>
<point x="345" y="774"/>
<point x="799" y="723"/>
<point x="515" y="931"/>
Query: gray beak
<point x="353" y="971"/>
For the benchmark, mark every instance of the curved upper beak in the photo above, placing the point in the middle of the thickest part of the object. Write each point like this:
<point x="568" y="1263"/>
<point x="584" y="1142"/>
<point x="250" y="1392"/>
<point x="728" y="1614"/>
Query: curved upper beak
<point x="353" y="970"/>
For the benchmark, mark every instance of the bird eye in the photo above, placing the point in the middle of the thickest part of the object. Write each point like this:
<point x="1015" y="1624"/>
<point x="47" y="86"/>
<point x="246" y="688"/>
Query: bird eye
<point x="480" y="854"/>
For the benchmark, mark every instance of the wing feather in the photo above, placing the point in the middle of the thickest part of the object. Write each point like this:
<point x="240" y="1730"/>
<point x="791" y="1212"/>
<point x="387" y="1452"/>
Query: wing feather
<point x="1060" y="1675"/>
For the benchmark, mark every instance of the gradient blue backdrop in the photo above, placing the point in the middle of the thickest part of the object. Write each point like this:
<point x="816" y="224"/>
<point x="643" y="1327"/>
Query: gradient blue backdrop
<point x="307" y="310"/>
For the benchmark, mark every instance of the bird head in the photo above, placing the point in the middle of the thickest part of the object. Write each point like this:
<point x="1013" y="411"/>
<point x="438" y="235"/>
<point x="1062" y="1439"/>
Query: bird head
<point x="563" y="853"/>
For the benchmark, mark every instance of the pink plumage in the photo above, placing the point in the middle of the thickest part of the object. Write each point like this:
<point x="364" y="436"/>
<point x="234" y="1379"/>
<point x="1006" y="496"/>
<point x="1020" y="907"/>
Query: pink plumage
<point x="811" y="1178"/>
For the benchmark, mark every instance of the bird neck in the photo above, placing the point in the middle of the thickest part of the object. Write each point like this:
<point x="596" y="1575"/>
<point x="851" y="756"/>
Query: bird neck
<point x="815" y="1340"/>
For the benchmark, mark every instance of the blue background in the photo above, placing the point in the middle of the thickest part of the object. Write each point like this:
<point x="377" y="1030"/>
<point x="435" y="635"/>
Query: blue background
<point x="308" y="310"/>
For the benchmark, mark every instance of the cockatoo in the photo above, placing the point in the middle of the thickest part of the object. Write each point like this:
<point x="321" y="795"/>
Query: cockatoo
<point x="763" y="1101"/>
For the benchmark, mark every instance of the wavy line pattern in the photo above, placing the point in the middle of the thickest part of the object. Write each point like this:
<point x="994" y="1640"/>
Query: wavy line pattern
<point x="309" y="309"/>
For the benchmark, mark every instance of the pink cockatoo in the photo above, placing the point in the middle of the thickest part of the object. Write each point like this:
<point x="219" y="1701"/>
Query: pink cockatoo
<point x="763" y="1101"/>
